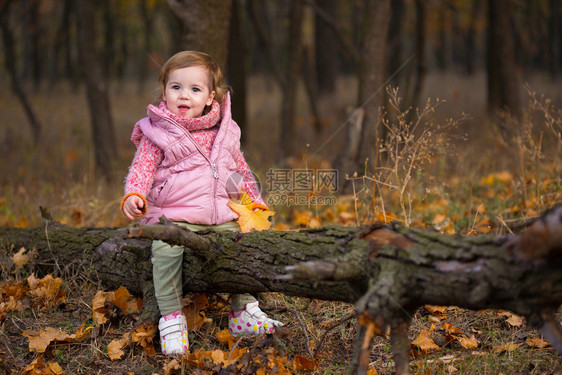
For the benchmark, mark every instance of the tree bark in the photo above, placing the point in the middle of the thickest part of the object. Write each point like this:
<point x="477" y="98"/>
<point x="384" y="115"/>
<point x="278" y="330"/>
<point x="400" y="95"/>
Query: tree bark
<point x="386" y="271"/>
<point x="503" y="74"/>
<point x="206" y="24"/>
<point x="236" y="73"/>
<point x="103" y="133"/>
<point x="372" y="68"/>
<point x="10" y="61"/>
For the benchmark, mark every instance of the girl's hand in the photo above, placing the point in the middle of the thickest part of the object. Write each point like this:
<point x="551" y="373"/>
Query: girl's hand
<point x="133" y="207"/>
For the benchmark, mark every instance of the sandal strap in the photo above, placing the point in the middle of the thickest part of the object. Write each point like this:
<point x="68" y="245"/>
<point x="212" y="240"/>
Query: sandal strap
<point x="167" y="327"/>
<point x="254" y="310"/>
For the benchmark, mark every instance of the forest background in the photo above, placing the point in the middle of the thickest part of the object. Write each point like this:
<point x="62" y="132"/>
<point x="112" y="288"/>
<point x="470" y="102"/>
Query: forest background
<point x="437" y="114"/>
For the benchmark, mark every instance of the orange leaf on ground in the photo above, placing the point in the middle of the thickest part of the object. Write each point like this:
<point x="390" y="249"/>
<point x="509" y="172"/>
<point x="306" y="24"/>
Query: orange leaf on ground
<point x="424" y="342"/>
<point x="468" y="342"/>
<point x="435" y="310"/>
<point x="39" y="367"/>
<point x="98" y="308"/>
<point x="46" y="291"/>
<point x="41" y="340"/>
<point x="142" y="335"/>
<point x="249" y="218"/>
<point x="225" y="337"/>
<point x="451" y="329"/>
<point x="512" y="319"/>
<point x="537" y="343"/>
<point x="506" y="348"/>
<point x="19" y="258"/>
<point x="120" y="298"/>
<point x="301" y="363"/>
<point x="115" y="347"/>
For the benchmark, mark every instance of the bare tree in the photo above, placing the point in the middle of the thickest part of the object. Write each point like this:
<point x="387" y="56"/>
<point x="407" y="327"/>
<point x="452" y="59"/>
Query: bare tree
<point x="103" y="134"/>
<point x="503" y="75"/>
<point x="236" y="67"/>
<point x="10" y="60"/>
<point x="374" y="33"/>
<point x="286" y="75"/>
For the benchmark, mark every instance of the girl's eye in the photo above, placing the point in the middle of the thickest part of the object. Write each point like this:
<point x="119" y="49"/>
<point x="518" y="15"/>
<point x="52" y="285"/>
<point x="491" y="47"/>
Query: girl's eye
<point x="175" y="87"/>
<point x="195" y="89"/>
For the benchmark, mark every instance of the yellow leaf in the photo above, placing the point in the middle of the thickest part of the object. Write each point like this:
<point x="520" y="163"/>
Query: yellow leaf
<point x="512" y="319"/>
<point x="39" y="367"/>
<point x="503" y="177"/>
<point x="127" y="303"/>
<point x="98" y="308"/>
<point x="55" y="368"/>
<point x="451" y="329"/>
<point x="115" y="347"/>
<point x="537" y="343"/>
<point x="435" y="310"/>
<point x="46" y="291"/>
<point x="506" y="348"/>
<point x="468" y="342"/>
<point x="169" y="367"/>
<point x="424" y="342"/>
<point x="515" y="320"/>
<point x="303" y="364"/>
<point x="372" y="371"/>
<point x="249" y="218"/>
<point x="19" y="258"/>
<point x="40" y="340"/>
<point x="225" y="337"/>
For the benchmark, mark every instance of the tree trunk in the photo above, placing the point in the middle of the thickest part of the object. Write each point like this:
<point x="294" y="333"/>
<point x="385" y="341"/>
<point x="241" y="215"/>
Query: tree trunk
<point x="554" y="38"/>
<point x="503" y="75"/>
<point x="371" y="75"/>
<point x="10" y="61"/>
<point x="388" y="272"/>
<point x="206" y="24"/>
<point x="420" y="69"/>
<point x="289" y="137"/>
<point x="395" y="41"/>
<point x="236" y="73"/>
<point x="326" y="52"/>
<point x="103" y="134"/>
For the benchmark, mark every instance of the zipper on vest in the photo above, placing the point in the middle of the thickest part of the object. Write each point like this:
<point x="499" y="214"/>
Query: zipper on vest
<point x="215" y="173"/>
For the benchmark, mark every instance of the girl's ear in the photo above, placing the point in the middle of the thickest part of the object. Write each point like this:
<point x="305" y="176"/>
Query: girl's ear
<point x="211" y="97"/>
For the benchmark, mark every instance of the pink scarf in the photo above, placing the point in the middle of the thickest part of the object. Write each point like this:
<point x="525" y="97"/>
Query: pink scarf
<point x="203" y="129"/>
<point x="197" y="123"/>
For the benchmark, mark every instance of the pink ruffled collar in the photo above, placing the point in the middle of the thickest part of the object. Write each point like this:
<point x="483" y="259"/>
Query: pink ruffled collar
<point x="198" y="123"/>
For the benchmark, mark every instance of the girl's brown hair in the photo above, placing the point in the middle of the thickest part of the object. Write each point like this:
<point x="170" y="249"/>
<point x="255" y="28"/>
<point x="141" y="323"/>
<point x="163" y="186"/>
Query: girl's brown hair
<point x="186" y="59"/>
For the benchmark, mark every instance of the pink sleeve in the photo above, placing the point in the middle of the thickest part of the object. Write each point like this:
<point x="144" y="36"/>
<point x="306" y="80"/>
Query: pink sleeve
<point x="142" y="170"/>
<point x="250" y="184"/>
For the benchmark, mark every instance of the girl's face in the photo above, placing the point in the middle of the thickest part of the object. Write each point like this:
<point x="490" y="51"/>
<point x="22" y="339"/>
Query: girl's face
<point x="187" y="91"/>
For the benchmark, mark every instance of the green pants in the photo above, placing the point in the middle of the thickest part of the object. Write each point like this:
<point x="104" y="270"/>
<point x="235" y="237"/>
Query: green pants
<point x="167" y="272"/>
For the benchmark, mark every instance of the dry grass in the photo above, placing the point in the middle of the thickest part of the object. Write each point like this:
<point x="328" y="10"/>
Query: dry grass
<point x="58" y="174"/>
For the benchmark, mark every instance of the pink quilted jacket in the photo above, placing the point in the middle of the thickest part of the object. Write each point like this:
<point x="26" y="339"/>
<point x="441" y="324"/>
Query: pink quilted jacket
<point x="189" y="184"/>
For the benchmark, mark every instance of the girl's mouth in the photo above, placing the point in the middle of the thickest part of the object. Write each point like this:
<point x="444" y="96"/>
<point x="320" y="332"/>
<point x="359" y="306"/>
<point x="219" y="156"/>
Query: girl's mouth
<point x="183" y="108"/>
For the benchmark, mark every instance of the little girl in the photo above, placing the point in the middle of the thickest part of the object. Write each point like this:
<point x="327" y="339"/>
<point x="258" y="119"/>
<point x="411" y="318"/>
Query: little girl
<point x="187" y="166"/>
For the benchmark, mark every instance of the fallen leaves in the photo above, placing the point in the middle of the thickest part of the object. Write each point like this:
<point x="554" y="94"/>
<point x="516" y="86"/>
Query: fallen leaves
<point x="120" y="298"/>
<point x="39" y="367"/>
<point x="40" y="340"/>
<point x="20" y="258"/>
<point x="43" y="293"/>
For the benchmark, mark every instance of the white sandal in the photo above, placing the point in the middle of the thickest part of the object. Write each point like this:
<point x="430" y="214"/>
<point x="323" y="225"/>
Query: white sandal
<point x="251" y="322"/>
<point x="173" y="335"/>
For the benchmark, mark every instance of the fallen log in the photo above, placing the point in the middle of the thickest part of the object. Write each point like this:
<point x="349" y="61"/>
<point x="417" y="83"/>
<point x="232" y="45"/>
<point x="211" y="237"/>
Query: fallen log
<point x="387" y="271"/>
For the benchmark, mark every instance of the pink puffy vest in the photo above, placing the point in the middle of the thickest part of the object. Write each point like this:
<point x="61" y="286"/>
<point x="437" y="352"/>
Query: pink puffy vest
<point x="188" y="185"/>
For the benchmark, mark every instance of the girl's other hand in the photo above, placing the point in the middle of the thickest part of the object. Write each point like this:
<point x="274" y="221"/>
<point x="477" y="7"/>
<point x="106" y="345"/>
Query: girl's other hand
<point x="133" y="207"/>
